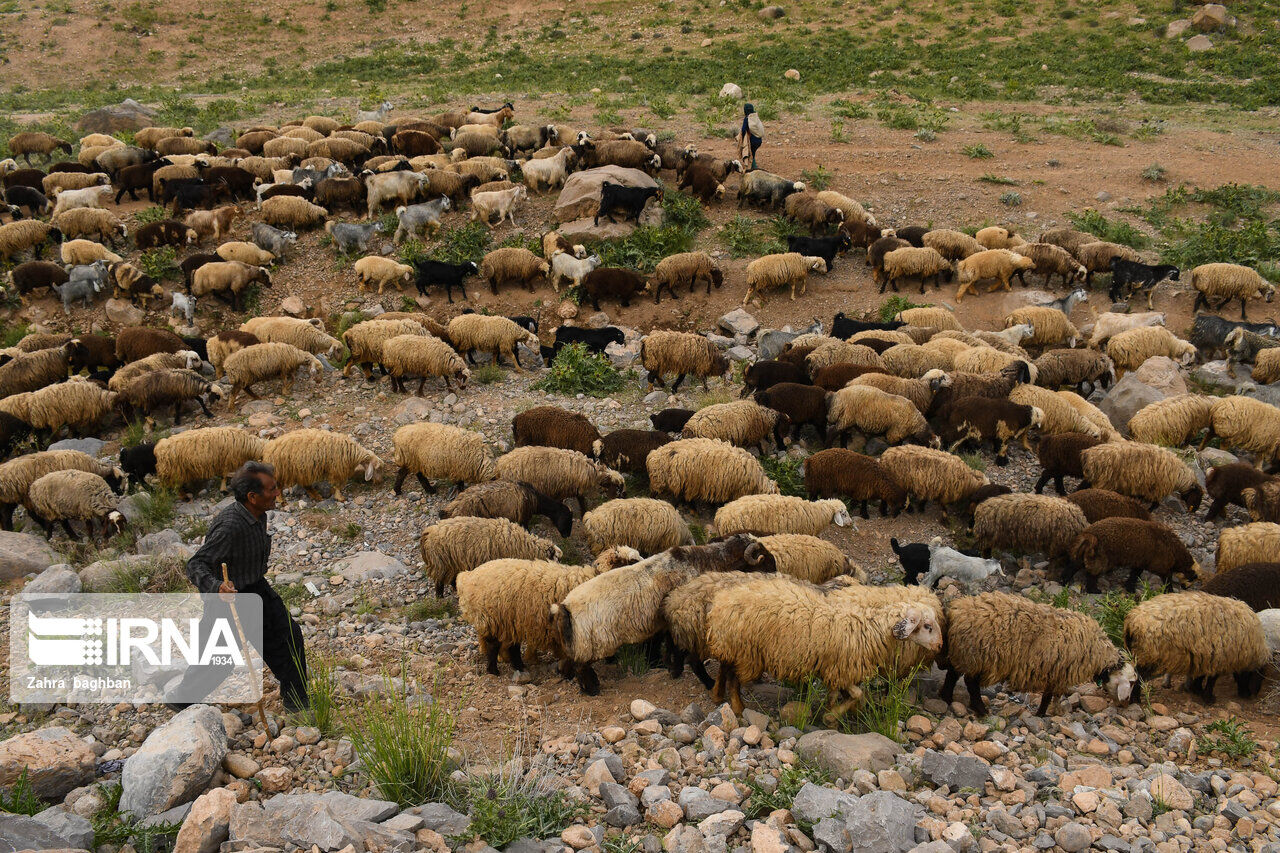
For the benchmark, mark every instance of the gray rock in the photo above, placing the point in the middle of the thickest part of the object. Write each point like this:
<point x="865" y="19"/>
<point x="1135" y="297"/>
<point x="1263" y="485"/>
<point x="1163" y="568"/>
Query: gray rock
<point x="654" y="794"/>
<point x="223" y="137"/>
<point x="526" y="845"/>
<point x="54" y="759"/>
<point x="366" y="565"/>
<point x="739" y="322"/>
<point x="623" y="815"/>
<point x="75" y="830"/>
<point x="841" y="755"/>
<point x="612" y="761"/>
<point x="24" y="554"/>
<point x="124" y="116"/>
<point x="175" y="763"/>
<point x="1110" y="842"/>
<point x="654" y="397"/>
<point x="739" y="353"/>
<point x="442" y="819"/>
<point x="1216" y="373"/>
<point x="615" y="795"/>
<point x="160" y="542"/>
<point x="814" y="802"/>
<point x="91" y="446"/>
<point x="1073" y="837"/>
<point x="55" y="579"/>
<point x="20" y="832"/>
<point x="954" y="771"/>
<point x="771" y="12"/>
<point x="581" y="196"/>
<point x="832" y="836"/>
<point x="1126" y="398"/>
<point x="1265" y="393"/>
<point x="684" y="838"/>
<point x="933" y="847"/>
<point x="882" y="822"/>
<point x="700" y="808"/>
<point x="99" y="575"/>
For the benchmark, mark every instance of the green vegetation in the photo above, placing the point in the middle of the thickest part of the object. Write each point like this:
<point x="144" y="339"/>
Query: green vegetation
<point x="431" y="608"/>
<point x="1155" y="173"/>
<point x="989" y="178"/>
<point x="887" y="703"/>
<point x="158" y="574"/>
<point x="11" y="334"/>
<point x="1239" y="226"/>
<point x="1110" y="609"/>
<point x="633" y="659"/>
<point x="325" y="694"/>
<point x="788" y="473"/>
<point x="404" y="744"/>
<point x="1114" y="231"/>
<point x="817" y="179"/>
<point x="895" y="305"/>
<point x="760" y="802"/>
<point x="113" y="827"/>
<point x="1011" y="199"/>
<point x="487" y="374"/>
<point x="577" y="370"/>
<point x="508" y="807"/>
<point x="458" y="245"/>
<point x="20" y="798"/>
<point x="1230" y="737"/>
<point x="160" y="263"/>
<point x="643" y="248"/>
<point x="154" y="213"/>
<point x="745" y="237"/>
<point x="977" y="152"/>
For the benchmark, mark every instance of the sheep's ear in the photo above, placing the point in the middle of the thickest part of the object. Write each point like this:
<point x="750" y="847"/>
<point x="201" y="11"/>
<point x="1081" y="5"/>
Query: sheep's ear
<point x="907" y="624"/>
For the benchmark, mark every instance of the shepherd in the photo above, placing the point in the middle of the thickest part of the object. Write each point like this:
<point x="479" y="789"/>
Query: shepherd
<point x="751" y="134"/>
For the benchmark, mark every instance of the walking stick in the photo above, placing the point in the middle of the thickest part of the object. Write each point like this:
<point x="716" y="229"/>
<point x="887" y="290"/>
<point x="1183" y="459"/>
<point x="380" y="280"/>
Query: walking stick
<point x="248" y="659"/>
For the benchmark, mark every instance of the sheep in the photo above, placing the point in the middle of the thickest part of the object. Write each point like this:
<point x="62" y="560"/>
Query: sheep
<point x="1201" y="636"/>
<point x="766" y="189"/>
<point x="1029" y="523"/>
<point x="88" y="197"/>
<point x="1097" y="256"/>
<point x="36" y="341"/>
<point x="1050" y="260"/>
<point x="17" y="475"/>
<point x="1097" y="504"/>
<point x="1173" y="421"/>
<point x="560" y="473"/>
<point x="1226" y="282"/>
<point x="1266" y="370"/>
<point x="228" y="277"/>
<point x="878" y="249"/>
<point x="627" y="153"/>
<point x="1059" y="454"/>
<point x="799" y="404"/>
<point x="807" y="209"/>
<point x="550" y="173"/>
<point x="1132" y="543"/>
<point x="526" y="137"/>
<point x="1226" y="485"/>
<point x="30" y="198"/>
<point x="684" y="268"/>
<point x="952" y="245"/>
<point x="624" y="605"/>
<point x="1246" y="423"/>
<point x="293" y="213"/>
<point x="1247" y="543"/>
<point x="216" y="223"/>
<point x="948" y="562"/>
<point x="382" y="271"/>
<point x="33" y="371"/>
<point x="780" y="514"/>
<point x="456" y="545"/>
<point x="566" y="266"/>
<point x="414" y="219"/>
<point x="551" y="426"/>
<point x="996" y="237"/>
<point x="874" y="412"/>
<point x="518" y="502"/>
<point x="997" y="637"/>
<point x="684" y="611"/>
<point x="612" y="283"/>
<point x="919" y="391"/>
<point x="1141" y="471"/>
<point x="365" y="341"/>
<point x="18" y="237"/>
<point x="682" y="353"/>
<point x="1051" y="325"/>
<point x="77" y="403"/>
<point x="305" y="457"/>
<point x="806" y="557"/>
<point x="986" y="419"/>
<point x="496" y="335"/>
<point x="36" y="142"/>
<point x="852" y="210"/>
<point x="482" y="169"/>
<point x="912" y="262"/>
<point x="32" y="275"/>
<point x="83" y="222"/>
<point x="1246" y="346"/>
<point x="181" y="360"/>
<point x="843" y="635"/>
<point x="129" y="281"/>
<point x="13" y="431"/>
<point x="741" y="423"/>
<point x="772" y="272"/>
<point x="202" y="454"/>
<point x="1129" y="349"/>
<point x="927" y="475"/>
<point x="837" y="472"/>
<point x="1106" y="326"/>
<point x="422" y="356"/>
<point x="826" y="248"/>
<point x="441" y="451"/>
<point x="166" y="232"/>
<point x="1058" y="414"/>
<point x="291" y="330"/>
<point x="330" y="193"/>
<point x="260" y="362"/>
<point x="164" y="387"/>
<point x="930" y="317"/>
<point x="645" y="524"/>
<point x="147" y="137"/>
<point x="273" y="240"/>
<point x="70" y="494"/>
<point x="762" y="375"/>
<point x="507" y="602"/>
<point x="1057" y="367"/>
<point x="515" y="265"/>
<point x="1067" y="238"/>
<point x="706" y="470"/>
<point x="503" y="203"/>
<point x="1256" y="584"/>
<point x="998" y="264"/>
<point x="245" y="253"/>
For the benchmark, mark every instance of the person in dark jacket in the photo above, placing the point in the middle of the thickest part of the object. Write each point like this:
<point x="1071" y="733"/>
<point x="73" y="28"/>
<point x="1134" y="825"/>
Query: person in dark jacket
<point x="751" y="134"/>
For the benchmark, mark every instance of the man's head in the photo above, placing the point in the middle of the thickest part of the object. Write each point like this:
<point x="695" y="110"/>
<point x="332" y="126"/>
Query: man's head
<point x="254" y="485"/>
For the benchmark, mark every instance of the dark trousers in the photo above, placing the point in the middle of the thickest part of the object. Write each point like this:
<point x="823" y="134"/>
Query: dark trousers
<point x="281" y="648"/>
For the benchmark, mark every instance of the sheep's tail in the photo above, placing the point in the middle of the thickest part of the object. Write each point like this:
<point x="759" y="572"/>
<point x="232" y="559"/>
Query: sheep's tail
<point x="562" y="620"/>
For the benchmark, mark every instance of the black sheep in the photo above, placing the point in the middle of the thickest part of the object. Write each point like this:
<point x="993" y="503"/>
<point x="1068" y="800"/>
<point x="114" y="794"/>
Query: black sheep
<point x="763" y="375"/>
<point x="166" y="232"/>
<point x="444" y="275"/>
<point x="139" y="461"/>
<point x="89" y="352"/>
<point x="1256" y="584"/>
<point x="32" y="275"/>
<point x="594" y="339"/>
<point x="630" y="200"/>
<point x="670" y="420"/>
<point x="914" y="558"/>
<point x="1060" y="456"/>
<point x="1125" y="274"/>
<point x="32" y="199"/>
<point x="1209" y="332"/>
<point x="612" y="283"/>
<point x="801" y="403"/>
<point x="913" y="234"/>
<point x="191" y="263"/>
<point x="844" y="328"/>
<point x="33" y="178"/>
<point x="823" y="247"/>
<point x="191" y="196"/>
<point x="130" y="179"/>
<point x="628" y="450"/>
<point x="13" y="430"/>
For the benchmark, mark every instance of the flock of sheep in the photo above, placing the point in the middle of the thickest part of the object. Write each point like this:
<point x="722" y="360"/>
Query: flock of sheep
<point x="767" y="595"/>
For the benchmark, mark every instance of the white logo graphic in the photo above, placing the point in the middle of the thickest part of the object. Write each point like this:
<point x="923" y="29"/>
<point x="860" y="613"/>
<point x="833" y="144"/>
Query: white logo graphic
<point x="54" y="641"/>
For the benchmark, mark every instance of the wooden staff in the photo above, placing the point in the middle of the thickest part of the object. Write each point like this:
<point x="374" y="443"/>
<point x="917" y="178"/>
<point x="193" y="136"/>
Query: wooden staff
<point x="248" y="658"/>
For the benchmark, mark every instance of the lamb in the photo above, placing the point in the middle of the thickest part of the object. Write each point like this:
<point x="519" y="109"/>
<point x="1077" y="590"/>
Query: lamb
<point x="1060" y="455"/>
<point x="17" y="475"/>
<point x="874" y="412"/>
<point x="129" y="281"/>
<point x="496" y="335"/>
<point x="1049" y="260"/>
<point x="1256" y="584"/>
<point x="507" y="602"/>
<point x="1131" y="543"/>
<point x="77" y="403"/>
<point x="864" y="631"/>
<point x="996" y="637"/>
<point x="1051" y="326"/>
<point x="912" y="262"/>
<point x="517" y="502"/>
<point x="27" y="234"/>
<point x="181" y="360"/>
<point x="439" y="451"/>
<point x="422" y="356"/>
<point x="291" y="330"/>
<point x="998" y="264"/>
<point x="88" y="197"/>
<point x="33" y="371"/>
<point x="684" y="612"/>
<point x="228" y="277"/>
<point x="684" y="268"/>
<point x="1201" y="636"/>
<point x="624" y="605"/>
<point x="741" y="423"/>
<point x="928" y="474"/>
<point x="1078" y="367"/>
<point x="881" y="247"/>
<point x="1246" y="423"/>
<point x="70" y="494"/>
<point x="1107" y="325"/>
<point x="515" y="265"/>
<point x="706" y="470"/>
<point x="503" y="203"/>
<point x="986" y="419"/>
<point x="456" y="545"/>
<point x="1173" y="421"/>
<point x="647" y="525"/>
<point x="1129" y="349"/>
<point x="772" y="272"/>
<point x="1029" y="523"/>
<point x="837" y="472"/>
<point x="766" y="189"/>
<point x="559" y="473"/>
<point x="807" y="209"/>
<point x="305" y="457"/>
<point x="36" y="142"/>
<point x="682" y="353"/>
<point x="948" y="562"/>
<point x="564" y="265"/>
<point x="1097" y="257"/>
<point x="245" y="253"/>
<point x="550" y="173"/>
<point x="763" y="514"/>
<point x="1226" y="282"/>
<point x="551" y="426"/>
<point x="1141" y="471"/>
<point x="375" y="269"/>
<point x="261" y="362"/>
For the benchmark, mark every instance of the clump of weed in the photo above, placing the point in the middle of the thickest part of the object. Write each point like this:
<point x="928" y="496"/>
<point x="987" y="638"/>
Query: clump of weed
<point x="788" y="473"/>
<point x="1154" y="174"/>
<point x="577" y="370"/>
<point x="1111" y="230"/>
<point x="487" y="374"/>
<point x="895" y="305"/>
<point x="1011" y="199"/>
<point x="977" y="152"/>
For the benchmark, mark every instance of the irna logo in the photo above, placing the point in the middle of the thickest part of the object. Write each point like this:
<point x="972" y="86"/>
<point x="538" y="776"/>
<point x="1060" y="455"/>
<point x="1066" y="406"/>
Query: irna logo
<point x="61" y="641"/>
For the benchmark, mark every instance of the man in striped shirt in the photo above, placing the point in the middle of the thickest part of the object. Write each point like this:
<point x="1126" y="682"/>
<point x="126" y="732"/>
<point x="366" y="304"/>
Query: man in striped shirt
<point x="238" y="537"/>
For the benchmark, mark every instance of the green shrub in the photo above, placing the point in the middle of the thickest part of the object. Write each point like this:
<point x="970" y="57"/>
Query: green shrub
<point x="20" y="798"/>
<point x="154" y="213"/>
<point x="325" y="695"/>
<point x="743" y="237"/>
<point x="977" y="152"/>
<point x="886" y="703"/>
<point x="158" y="574"/>
<point x="1011" y="199"/>
<point x="114" y="827"/>
<point x="1229" y="737"/>
<point x="818" y="178"/>
<point x="989" y="178"/>
<point x="1155" y="173"/>
<point x="160" y="263"/>
<point x="404" y="744"/>
<point x="760" y="802"/>
<point x="577" y="370"/>
<point x="12" y="334"/>
<point x="508" y="807"/>
<point x="1193" y="243"/>
<point x="895" y="305"/>
<point x="487" y="374"/>
<point x="644" y="247"/>
<point x="788" y="473"/>
<point x="465" y="243"/>
<point x="1114" y="231"/>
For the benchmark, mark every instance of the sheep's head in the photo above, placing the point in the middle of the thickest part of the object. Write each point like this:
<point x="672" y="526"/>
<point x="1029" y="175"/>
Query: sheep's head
<point x="1192" y="497"/>
<point x="1037" y="417"/>
<point x="1119" y="679"/>
<point x="920" y="625"/>
<point x="369" y="467"/>
<point x="839" y="513"/>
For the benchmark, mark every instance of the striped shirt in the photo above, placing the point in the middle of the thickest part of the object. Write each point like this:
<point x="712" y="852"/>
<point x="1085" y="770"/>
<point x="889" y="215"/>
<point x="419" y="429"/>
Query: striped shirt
<point x="238" y="539"/>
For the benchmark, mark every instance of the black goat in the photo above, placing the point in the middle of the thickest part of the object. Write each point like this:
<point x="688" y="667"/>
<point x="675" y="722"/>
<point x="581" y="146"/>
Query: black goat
<point x="1130" y="277"/>
<point x="443" y="275"/>
<point x="1209" y="332"/>
<point x="32" y="199"/>
<point x="630" y="200"/>
<point x="844" y="328"/>
<point x="594" y="339"/>
<point x="823" y="247"/>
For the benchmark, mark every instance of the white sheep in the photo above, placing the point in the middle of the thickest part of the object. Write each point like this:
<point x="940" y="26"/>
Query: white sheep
<point x="564" y="265"/>
<point x="501" y="202"/>
<point x="953" y="564"/>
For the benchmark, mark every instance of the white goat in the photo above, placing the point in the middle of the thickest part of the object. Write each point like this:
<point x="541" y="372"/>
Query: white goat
<point x="380" y="114"/>
<point x="501" y="202"/>
<point x="564" y="265"/>
<point x="184" y="305"/>
<point x="961" y="567"/>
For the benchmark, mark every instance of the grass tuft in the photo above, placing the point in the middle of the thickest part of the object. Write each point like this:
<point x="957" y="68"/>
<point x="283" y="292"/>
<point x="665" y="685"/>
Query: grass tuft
<point x="977" y="152"/>
<point x="20" y="798"/>
<point x="895" y="305"/>
<point x="404" y="744"/>
<point x="577" y="370"/>
<point x="509" y="806"/>
<point x="788" y="473"/>
<point x="1230" y="737"/>
<point x="1114" y="231"/>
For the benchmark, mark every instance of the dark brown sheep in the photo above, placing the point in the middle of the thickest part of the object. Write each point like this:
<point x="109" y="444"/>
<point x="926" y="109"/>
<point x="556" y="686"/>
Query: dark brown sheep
<point x="1097" y="504"/>
<point x="670" y="420"/>
<point x="837" y="472"/>
<point x="1060" y="456"/>
<point x="1129" y="543"/>
<point x="160" y="388"/>
<point x="551" y="426"/>
<point x="1224" y="483"/>
<point x="985" y="419"/>
<point x="833" y="377"/>
<point x="762" y="375"/>
<point x="91" y="351"/>
<point x="137" y="342"/>
<point x="801" y="403"/>
<point x="1256" y="584"/>
<point x="612" y="283"/>
<point x="166" y="232"/>
<point x="628" y="449"/>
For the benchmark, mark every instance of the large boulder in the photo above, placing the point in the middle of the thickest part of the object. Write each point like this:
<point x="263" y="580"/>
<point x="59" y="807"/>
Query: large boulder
<point x="54" y="758"/>
<point x="55" y="579"/>
<point x="90" y="445"/>
<point x="369" y="564"/>
<point x="121" y="312"/>
<point x="1125" y="398"/>
<point x="126" y="115"/>
<point x="206" y="825"/>
<point x="176" y="762"/>
<point x="24" y="554"/>
<point x="1162" y="373"/>
<point x="581" y="194"/>
<point x="1212" y="17"/>
<point x="955" y="771"/>
<point x="19" y="832"/>
<point x="842" y="755"/>
<point x="882" y="822"/>
<point x="330" y="821"/>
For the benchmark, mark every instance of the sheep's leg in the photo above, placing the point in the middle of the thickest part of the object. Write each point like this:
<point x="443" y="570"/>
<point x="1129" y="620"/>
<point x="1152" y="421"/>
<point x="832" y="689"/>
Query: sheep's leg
<point x="401" y="475"/>
<point x="1215" y="509"/>
<point x="1131" y="583"/>
<point x="1045" y="699"/>
<point x="699" y="668"/>
<point x="422" y="384"/>
<point x="513" y="655"/>
<point x="948" y="691"/>
<point x="203" y="407"/>
<point x="177" y="413"/>
<point x="675" y="661"/>
<point x="734" y="688"/>
<point x="973" y="684"/>
<point x="862" y="508"/>
<point x="676" y="386"/>
<point x="1206" y="692"/>
<point x="587" y="680"/>
<point x="489" y="651"/>
<point x="1091" y="582"/>
<point x="71" y="533"/>
<point x="1242" y="304"/>
<point x="582" y="505"/>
